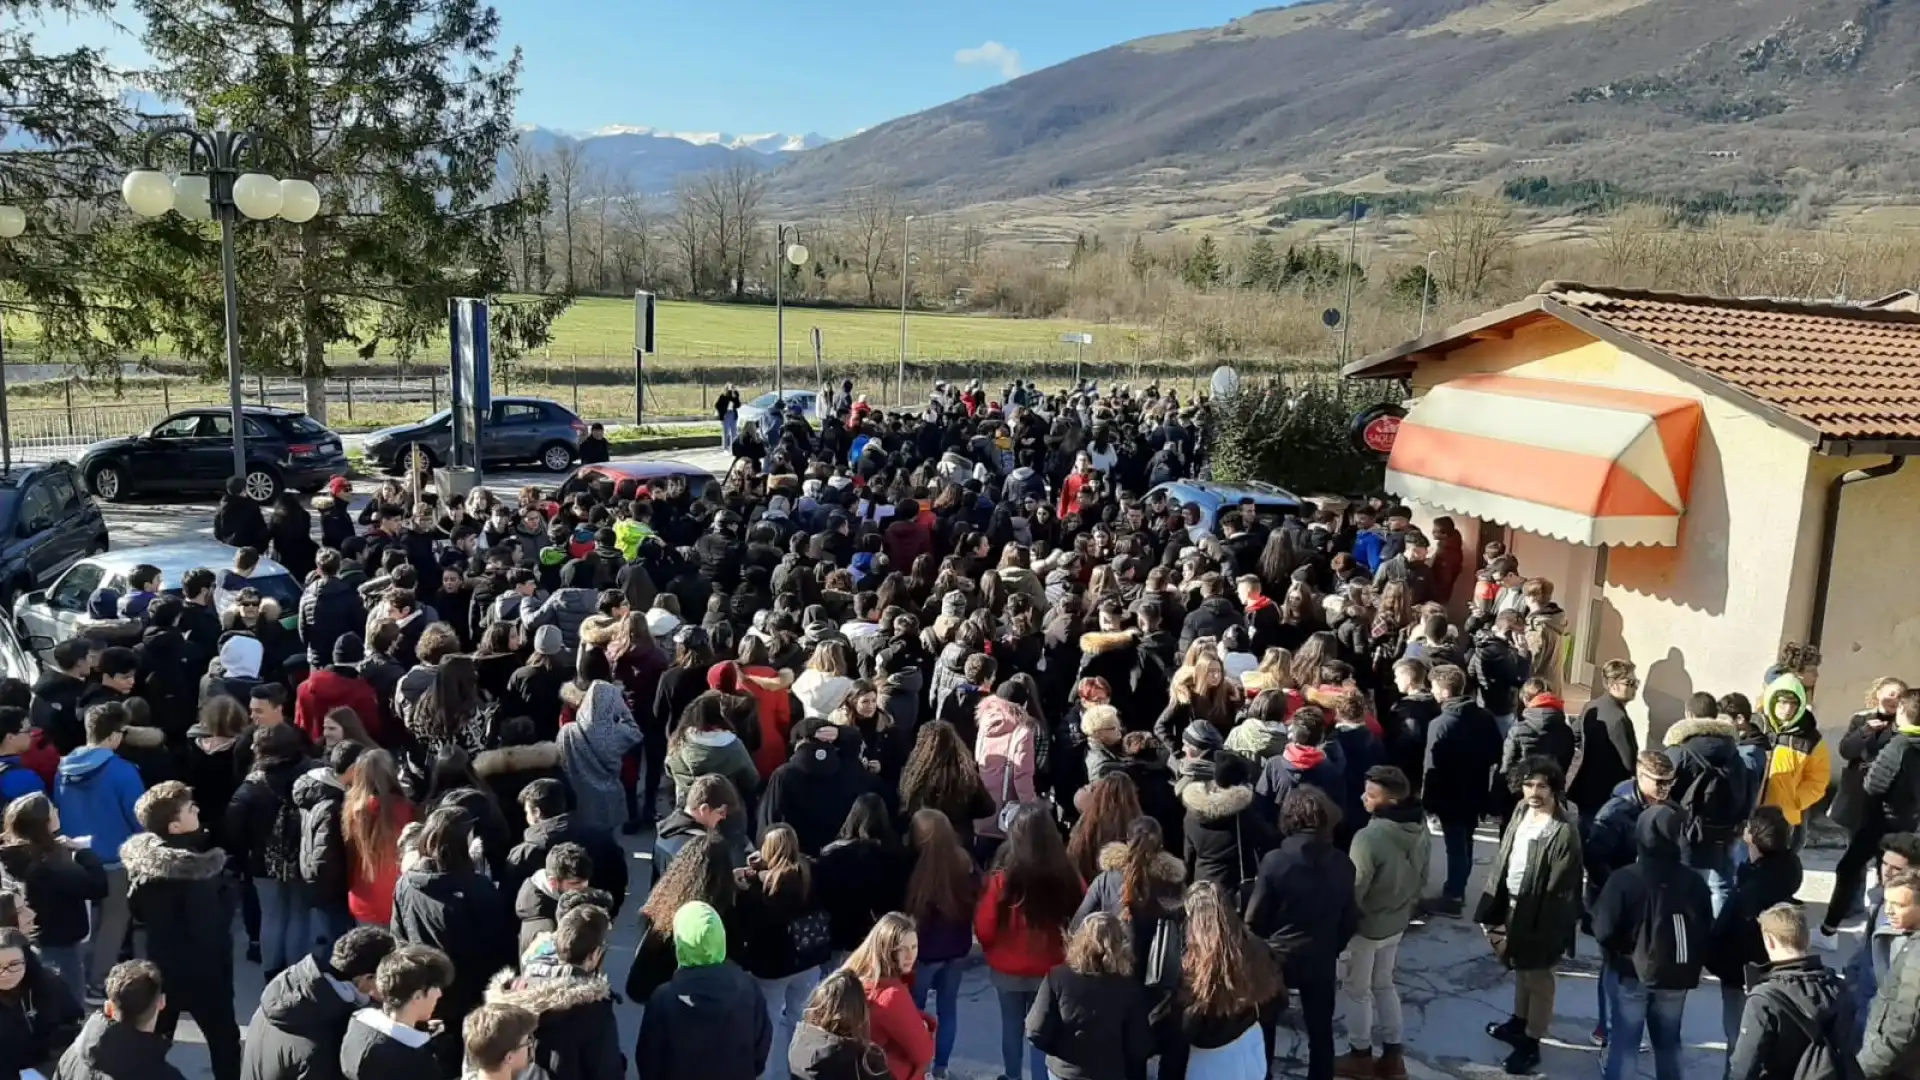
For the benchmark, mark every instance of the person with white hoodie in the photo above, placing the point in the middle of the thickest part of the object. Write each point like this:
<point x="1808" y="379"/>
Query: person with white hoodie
<point x="827" y="681"/>
<point x="236" y="671"/>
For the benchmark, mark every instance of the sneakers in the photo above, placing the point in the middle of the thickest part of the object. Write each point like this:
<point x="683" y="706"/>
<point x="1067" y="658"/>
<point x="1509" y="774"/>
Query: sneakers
<point x="1392" y="1064"/>
<point x="1525" y="1059"/>
<point x="1513" y="1032"/>
<point x="96" y="996"/>
<point x="1599" y="1036"/>
<point x="1356" y="1064"/>
<point x="1450" y="906"/>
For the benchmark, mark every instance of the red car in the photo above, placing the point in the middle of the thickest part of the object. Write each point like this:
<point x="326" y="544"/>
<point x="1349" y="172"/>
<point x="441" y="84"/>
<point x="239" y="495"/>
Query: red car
<point x="646" y="472"/>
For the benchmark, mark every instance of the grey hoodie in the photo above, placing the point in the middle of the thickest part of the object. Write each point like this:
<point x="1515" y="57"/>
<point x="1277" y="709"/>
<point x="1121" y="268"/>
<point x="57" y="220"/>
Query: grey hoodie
<point x="1390" y="860"/>
<point x="591" y="749"/>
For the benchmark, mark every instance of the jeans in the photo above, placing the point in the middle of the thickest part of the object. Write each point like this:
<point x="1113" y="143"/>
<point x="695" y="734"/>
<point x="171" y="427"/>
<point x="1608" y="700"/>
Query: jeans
<point x="1733" y="1005"/>
<point x="1457" y="836"/>
<point x="1316" y="1009"/>
<point x="1658" y="1013"/>
<point x="284" y="924"/>
<point x="1014" y="1005"/>
<point x="328" y="925"/>
<point x="729" y="427"/>
<point x="1719" y="879"/>
<point x="66" y="959"/>
<point x="786" y="1001"/>
<point x="942" y="977"/>
<point x="1373" y="1004"/>
<point x="1608" y="985"/>
<point x="111" y="918"/>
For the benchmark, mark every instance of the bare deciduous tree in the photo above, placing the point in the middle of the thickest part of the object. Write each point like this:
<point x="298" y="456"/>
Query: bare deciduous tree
<point x="1475" y="239"/>
<point x="872" y="235"/>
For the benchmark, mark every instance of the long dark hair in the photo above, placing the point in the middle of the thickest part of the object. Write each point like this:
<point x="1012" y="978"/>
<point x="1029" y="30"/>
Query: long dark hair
<point x="449" y="702"/>
<point x="942" y="883"/>
<point x="445" y="842"/>
<point x="1112" y="804"/>
<point x="453" y="771"/>
<point x="869" y="820"/>
<point x="1145" y="845"/>
<point x="1036" y="876"/>
<point x="939" y="772"/>
<point x="30" y="825"/>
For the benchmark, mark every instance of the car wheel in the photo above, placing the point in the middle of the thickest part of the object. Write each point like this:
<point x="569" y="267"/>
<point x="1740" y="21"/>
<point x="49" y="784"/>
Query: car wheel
<point x="413" y="458"/>
<point x="108" y="481"/>
<point x="261" y="485"/>
<point x="556" y="457"/>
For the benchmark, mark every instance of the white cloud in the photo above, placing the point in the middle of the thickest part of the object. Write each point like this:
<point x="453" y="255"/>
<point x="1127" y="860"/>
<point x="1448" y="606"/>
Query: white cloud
<point x="991" y="54"/>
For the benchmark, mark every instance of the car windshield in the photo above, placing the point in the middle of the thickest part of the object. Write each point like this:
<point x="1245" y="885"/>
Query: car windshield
<point x="763" y="401"/>
<point x="302" y="424"/>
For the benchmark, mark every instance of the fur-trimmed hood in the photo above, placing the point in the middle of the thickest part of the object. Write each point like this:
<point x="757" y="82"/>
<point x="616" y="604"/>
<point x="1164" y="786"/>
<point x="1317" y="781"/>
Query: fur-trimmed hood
<point x="508" y="760"/>
<point x="148" y="858"/>
<point x="598" y="630"/>
<point x="1096" y="642"/>
<point x="1710" y="726"/>
<point x="1167" y="866"/>
<point x="1215" y="803"/>
<point x="548" y="986"/>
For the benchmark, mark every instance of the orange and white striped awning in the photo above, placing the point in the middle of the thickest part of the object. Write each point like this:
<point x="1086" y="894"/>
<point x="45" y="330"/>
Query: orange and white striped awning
<point x="1587" y="464"/>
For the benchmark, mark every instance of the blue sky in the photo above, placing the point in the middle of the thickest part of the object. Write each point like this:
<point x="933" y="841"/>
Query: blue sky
<point x="832" y="66"/>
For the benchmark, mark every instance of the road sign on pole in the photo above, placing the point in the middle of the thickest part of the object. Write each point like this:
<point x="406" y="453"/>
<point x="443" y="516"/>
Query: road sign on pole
<point x="643" y="320"/>
<point x="472" y="379"/>
<point x="1080" y="343"/>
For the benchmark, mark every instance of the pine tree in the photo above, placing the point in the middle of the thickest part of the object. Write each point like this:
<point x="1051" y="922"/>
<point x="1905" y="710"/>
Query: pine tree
<point x="401" y="110"/>
<point x="1138" y="259"/>
<point x="1203" y="270"/>
<point x="1262" y="267"/>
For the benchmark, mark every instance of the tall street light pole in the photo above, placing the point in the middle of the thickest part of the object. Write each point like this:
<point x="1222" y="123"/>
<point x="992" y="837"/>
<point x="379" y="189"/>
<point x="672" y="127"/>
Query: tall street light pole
<point x="13" y="222"/>
<point x="906" y="277"/>
<point x="1426" y="292"/>
<point x="795" y="253"/>
<point x="215" y="186"/>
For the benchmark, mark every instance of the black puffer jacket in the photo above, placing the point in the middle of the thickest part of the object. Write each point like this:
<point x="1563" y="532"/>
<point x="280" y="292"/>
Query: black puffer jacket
<point x="1707" y="748"/>
<point x="37" y="1027"/>
<point x="296" y="1032"/>
<point x="1796" y="994"/>
<point x="108" y="1051"/>
<point x="321" y="795"/>
<point x="254" y="817"/>
<point x="167" y="682"/>
<point x="813" y="792"/>
<point x="185" y="899"/>
<point x="1303" y="905"/>
<point x="462" y="915"/>
<point x="329" y="609"/>
<point x="821" y="1055"/>
<point x="1210" y="619"/>
<point x="529" y="857"/>
<point x="1542" y="731"/>
<point x="60" y="885"/>
<point x="577" y="1038"/>
<point x="1225" y="835"/>
<point x="1867" y="733"/>
<point x="1893" y="781"/>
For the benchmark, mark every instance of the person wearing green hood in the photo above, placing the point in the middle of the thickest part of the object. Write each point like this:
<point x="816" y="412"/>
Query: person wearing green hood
<point x="1800" y="767"/>
<point x="709" y="1022"/>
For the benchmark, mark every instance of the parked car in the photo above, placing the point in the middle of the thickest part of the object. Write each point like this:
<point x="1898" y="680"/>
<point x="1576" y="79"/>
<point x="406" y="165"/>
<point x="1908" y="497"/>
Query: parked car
<point x="47" y="523"/>
<point x="1270" y="503"/>
<point x="193" y="451"/>
<point x="645" y="472"/>
<point x="50" y="616"/>
<point x="15" y="661"/>
<point x="518" y="430"/>
<point x="755" y="412"/>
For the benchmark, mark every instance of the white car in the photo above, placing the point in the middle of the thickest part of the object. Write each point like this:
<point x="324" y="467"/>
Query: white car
<point x="806" y="401"/>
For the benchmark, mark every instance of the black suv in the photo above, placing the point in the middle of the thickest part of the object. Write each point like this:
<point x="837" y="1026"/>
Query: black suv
<point x="47" y="523"/>
<point x="193" y="451"/>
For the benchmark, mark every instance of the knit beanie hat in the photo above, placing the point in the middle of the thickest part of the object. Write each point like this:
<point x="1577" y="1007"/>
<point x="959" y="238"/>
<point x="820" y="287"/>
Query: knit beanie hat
<point x="349" y="649"/>
<point x="548" y="641"/>
<point x="699" y="938"/>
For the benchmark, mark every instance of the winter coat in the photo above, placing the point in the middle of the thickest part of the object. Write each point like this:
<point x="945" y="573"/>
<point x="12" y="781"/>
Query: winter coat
<point x="295" y="1033"/>
<point x="902" y="1032"/>
<point x="1541" y="731"/>
<point x="1867" y="732"/>
<point x="509" y="770"/>
<point x="819" y="1055"/>
<point x="55" y="709"/>
<point x="701" y="753"/>
<point x="578" y="1038"/>
<point x="330" y="688"/>
<point x="186" y="901"/>
<point x="1115" y="657"/>
<point x="329" y="609"/>
<point x="1545" y="640"/>
<point x="95" y="791"/>
<point x="1800" y="767"/>
<point x="253" y="817"/>
<point x="462" y="915"/>
<point x="529" y="857"/>
<point x="1892" y="784"/>
<point x="1698" y="747"/>
<point x="168" y="680"/>
<point x="591" y="750"/>
<point x="813" y="792"/>
<point x="764" y="923"/>
<point x="37" y="1028"/>
<point x="59" y="885"/>
<point x="1012" y="947"/>
<point x="1390" y="856"/>
<point x="706" y="1023"/>
<point x="1091" y="1027"/>
<point x="1539" y="920"/>
<point x="1623" y="903"/>
<point x="1608" y="748"/>
<point x="376" y="1047"/>
<point x="321" y="796"/>
<point x="856" y="882"/>
<point x="1609" y="843"/>
<point x="110" y="1051"/>
<point x="1008" y="755"/>
<point x="1226" y="836"/>
<point x="820" y="694"/>
<point x="1303" y="906"/>
<point x="1892" y="1045"/>
<point x="1313" y="766"/>
<point x="1735" y="940"/>
<point x="1794" y="995"/>
<point x="1872" y="962"/>
<point x="1104" y="893"/>
<point x="564" y="608"/>
<point x="1210" y="619"/>
<point x="1360" y="750"/>
<point x="1463" y="750"/>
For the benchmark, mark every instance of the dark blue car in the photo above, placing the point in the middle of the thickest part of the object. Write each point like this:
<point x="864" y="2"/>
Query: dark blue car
<point x="47" y="523"/>
<point x="193" y="451"/>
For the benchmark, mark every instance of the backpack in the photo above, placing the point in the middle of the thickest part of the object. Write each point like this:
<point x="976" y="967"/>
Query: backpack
<point x="1669" y="945"/>
<point x="1714" y="809"/>
<point x="281" y="855"/>
<point x="1824" y="1058"/>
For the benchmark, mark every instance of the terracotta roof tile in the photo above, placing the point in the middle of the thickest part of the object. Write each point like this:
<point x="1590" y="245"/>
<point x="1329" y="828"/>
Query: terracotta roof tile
<point x="1851" y="372"/>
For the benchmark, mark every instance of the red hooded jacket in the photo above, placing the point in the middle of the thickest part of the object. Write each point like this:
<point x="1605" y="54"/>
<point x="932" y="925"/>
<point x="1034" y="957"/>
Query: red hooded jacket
<point x="326" y="690"/>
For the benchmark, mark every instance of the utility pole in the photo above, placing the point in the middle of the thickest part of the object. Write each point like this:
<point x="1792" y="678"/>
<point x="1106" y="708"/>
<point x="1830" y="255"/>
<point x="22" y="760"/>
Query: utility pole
<point x="1346" y="324"/>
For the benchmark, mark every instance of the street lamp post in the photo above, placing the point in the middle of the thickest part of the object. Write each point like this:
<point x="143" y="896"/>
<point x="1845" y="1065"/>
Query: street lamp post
<point x="215" y="186"/>
<point x="13" y="222"/>
<point x="906" y="276"/>
<point x="795" y="253"/>
<point x="1426" y="292"/>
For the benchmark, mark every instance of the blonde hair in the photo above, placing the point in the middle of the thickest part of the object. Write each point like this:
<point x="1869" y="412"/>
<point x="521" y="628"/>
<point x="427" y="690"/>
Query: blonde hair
<point x="1097" y="718"/>
<point x="1786" y="924"/>
<point x="785" y="866"/>
<point x="878" y="957"/>
<point x="1881" y="683"/>
<point x="1102" y="946"/>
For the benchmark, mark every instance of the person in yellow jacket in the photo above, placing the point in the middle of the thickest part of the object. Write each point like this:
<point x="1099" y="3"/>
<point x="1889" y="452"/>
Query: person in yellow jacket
<point x="1800" y="767"/>
<point x="629" y="533"/>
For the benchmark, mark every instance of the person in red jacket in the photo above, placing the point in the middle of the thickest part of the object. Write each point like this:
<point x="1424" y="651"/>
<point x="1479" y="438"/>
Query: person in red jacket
<point x="884" y="965"/>
<point x="337" y="686"/>
<point x="1021" y="922"/>
<point x="907" y="537"/>
<point x="1080" y="477"/>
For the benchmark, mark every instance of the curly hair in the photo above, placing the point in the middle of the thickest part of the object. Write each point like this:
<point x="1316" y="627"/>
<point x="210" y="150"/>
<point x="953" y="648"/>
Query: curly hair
<point x="702" y="871"/>
<point x="939" y="772"/>
<point x="1223" y="969"/>
<point x="1112" y="803"/>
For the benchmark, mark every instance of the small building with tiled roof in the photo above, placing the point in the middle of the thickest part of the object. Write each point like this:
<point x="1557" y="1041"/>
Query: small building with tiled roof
<point x="1704" y="480"/>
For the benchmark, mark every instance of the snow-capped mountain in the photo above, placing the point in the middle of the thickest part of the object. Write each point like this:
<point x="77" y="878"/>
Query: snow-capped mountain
<point x="653" y="160"/>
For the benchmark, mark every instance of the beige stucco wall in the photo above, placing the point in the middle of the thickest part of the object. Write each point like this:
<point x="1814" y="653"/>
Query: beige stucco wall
<point x="1873" y="612"/>
<point x="1709" y="614"/>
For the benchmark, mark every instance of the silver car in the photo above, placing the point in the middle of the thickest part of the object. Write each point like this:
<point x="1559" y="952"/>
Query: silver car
<point x="53" y="615"/>
<point x="806" y="402"/>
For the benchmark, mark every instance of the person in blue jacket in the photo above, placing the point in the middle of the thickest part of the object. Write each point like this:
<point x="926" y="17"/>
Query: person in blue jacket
<point x="16" y="738"/>
<point x="95" y="792"/>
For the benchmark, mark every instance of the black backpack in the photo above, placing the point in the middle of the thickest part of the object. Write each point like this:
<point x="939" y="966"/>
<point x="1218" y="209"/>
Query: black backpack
<point x="1670" y="944"/>
<point x="281" y="854"/>
<point x="1825" y="1058"/>
<point x="1714" y="807"/>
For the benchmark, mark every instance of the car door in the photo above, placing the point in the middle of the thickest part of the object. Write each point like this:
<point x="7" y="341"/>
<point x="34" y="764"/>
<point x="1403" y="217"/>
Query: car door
<point x="161" y="461"/>
<point x="33" y="532"/>
<point x="210" y="453"/>
<point x="58" y="618"/>
<point x="513" y="431"/>
<point x="73" y="530"/>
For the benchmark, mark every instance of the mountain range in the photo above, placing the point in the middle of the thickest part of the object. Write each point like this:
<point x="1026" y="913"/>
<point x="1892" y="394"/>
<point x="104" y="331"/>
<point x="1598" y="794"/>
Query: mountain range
<point x="652" y="161"/>
<point x="1680" y="96"/>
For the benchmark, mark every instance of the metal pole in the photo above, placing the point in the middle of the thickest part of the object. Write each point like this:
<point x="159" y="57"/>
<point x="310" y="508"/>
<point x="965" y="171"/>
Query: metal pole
<point x="779" y="318"/>
<point x="906" y="277"/>
<point x="230" y="282"/>
<point x="1079" y="353"/>
<point x="6" y="425"/>
<point x="1426" y="291"/>
<point x="1346" y="322"/>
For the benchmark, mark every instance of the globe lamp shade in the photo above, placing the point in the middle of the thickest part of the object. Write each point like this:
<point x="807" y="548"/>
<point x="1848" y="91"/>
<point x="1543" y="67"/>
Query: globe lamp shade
<point x="299" y="200"/>
<point x="257" y="195"/>
<point x="147" y="192"/>
<point x="190" y="194"/>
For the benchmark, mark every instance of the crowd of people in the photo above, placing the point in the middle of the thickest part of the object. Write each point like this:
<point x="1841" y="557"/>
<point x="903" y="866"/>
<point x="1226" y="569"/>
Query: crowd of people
<point x="920" y="691"/>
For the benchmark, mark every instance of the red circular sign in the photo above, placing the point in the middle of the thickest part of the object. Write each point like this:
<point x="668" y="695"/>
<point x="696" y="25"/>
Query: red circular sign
<point x="1380" y="433"/>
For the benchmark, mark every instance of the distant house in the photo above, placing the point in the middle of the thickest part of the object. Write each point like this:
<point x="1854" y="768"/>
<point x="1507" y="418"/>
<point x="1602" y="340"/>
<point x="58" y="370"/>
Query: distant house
<point x="1702" y="479"/>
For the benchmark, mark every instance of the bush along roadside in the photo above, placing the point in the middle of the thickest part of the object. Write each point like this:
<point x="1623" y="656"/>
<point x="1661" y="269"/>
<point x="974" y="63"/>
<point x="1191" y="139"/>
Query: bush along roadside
<point x="1294" y="431"/>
